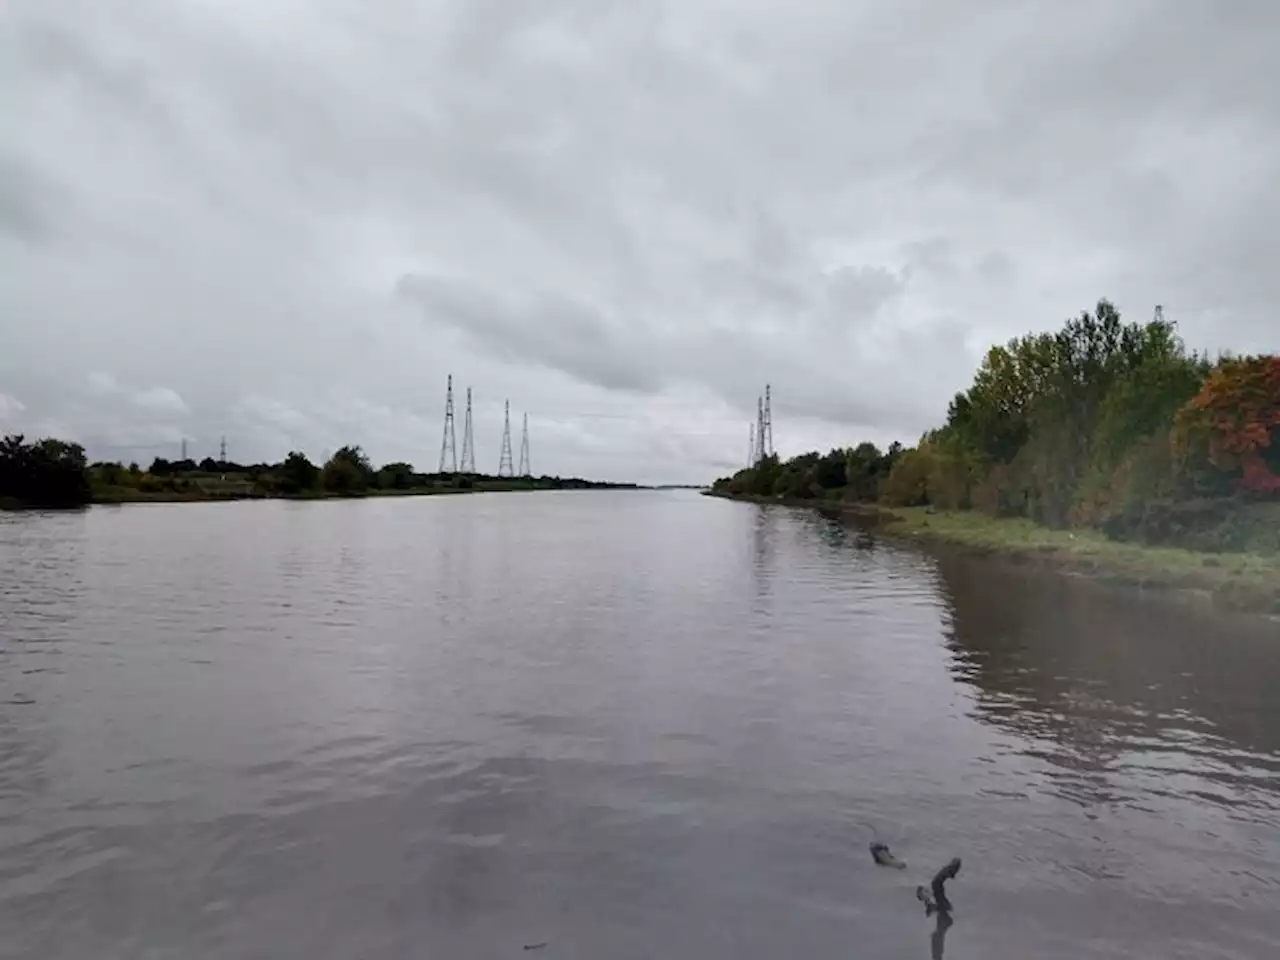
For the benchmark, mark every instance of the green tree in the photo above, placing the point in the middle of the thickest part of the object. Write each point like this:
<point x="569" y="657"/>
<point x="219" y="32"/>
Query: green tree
<point x="47" y="473"/>
<point x="910" y="482"/>
<point x="298" y="474"/>
<point x="395" y="476"/>
<point x="347" y="472"/>
<point x="864" y="465"/>
<point x="829" y="472"/>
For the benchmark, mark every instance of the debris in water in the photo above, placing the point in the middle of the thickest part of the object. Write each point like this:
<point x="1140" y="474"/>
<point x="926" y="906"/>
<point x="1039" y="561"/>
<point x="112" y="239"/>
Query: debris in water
<point x="881" y="854"/>
<point x="935" y="898"/>
<point x="923" y="895"/>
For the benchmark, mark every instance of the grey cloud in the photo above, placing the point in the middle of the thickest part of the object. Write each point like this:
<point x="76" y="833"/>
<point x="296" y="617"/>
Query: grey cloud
<point x="643" y="354"/>
<point x="10" y="407"/>
<point x="30" y="206"/>
<point x="161" y="400"/>
<point x="995" y="266"/>
<point x="63" y="55"/>
<point x="856" y="293"/>
<point x="541" y="328"/>
<point x="607" y="206"/>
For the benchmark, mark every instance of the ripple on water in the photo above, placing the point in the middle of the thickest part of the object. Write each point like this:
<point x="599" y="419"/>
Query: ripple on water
<point x="623" y="725"/>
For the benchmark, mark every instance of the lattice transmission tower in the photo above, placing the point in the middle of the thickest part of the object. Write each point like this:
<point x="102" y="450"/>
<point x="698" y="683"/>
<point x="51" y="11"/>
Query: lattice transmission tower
<point x="766" y="443"/>
<point x="447" y="442"/>
<point x="504" y="459"/>
<point x="468" y="440"/>
<point x="759" y="444"/>
<point x="525" y="469"/>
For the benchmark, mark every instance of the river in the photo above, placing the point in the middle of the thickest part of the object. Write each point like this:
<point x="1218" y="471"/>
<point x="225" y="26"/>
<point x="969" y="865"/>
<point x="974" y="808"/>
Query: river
<point x="617" y="724"/>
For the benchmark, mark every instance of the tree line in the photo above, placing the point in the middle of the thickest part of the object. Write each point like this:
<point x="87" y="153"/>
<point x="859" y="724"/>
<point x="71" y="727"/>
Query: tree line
<point x="43" y="473"/>
<point x="1104" y="423"/>
<point x="54" y="473"/>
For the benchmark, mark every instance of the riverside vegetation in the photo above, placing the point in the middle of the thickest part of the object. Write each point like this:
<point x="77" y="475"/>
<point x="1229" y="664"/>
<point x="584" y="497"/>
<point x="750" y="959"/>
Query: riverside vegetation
<point x="54" y="473"/>
<point x="1106" y="445"/>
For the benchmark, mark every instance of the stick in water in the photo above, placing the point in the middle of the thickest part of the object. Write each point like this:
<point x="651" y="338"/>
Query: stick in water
<point x="940" y="878"/>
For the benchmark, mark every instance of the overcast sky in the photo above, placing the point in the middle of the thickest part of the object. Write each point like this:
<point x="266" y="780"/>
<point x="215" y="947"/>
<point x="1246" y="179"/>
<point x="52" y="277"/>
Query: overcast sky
<point x="286" y="221"/>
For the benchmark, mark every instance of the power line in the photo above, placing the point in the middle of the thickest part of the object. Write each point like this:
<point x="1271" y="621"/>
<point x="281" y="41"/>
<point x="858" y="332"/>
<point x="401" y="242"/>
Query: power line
<point x="525" y="469"/>
<point x="504" y="459"/>
<point x="447" y="440"/>
<point x="468" y="441"/>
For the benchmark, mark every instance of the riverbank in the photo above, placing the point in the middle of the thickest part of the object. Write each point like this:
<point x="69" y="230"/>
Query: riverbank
<point x="117" y="496"/>
<point x="1245" y="582"/>
<point x="122" y="495"/>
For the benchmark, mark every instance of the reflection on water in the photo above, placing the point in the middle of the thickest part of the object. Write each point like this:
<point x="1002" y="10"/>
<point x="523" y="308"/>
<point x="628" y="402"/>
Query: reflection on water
<point x="618" y="724"/>
<point x="938" y="940"/>
<point x="1130" y="704"/>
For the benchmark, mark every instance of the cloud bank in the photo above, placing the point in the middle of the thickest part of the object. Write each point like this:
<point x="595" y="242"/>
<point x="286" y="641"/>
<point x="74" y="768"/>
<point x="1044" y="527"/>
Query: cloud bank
<point x="286" y="223"/>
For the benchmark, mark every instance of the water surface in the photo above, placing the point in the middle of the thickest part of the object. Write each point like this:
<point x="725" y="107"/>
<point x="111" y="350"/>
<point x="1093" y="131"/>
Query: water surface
<point x="622" y="724"/>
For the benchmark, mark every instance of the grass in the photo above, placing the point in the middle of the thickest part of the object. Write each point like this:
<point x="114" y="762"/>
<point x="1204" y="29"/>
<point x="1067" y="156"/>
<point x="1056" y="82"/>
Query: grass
<point x="1241" y="581"/>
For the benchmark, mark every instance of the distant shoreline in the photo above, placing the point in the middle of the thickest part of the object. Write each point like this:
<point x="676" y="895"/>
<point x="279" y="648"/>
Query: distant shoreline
<point x="1238" y="582"/>
<point x="127" y="495"/>
<point x="123" y="496"/>
<point x="118" y="497"/>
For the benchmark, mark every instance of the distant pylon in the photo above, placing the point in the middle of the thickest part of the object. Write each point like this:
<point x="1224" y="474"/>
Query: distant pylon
<point x="184" y="448"/>
<point x="525" y="470"/>
<point x="468" y="441"/>
<point x="504" y="459"/>
<point x="222" y="451"/>
<point x="759" y="430"/>
<point x="766" y="445"/>
<point x="447" y="441"/>
<point x="751" y="446"/>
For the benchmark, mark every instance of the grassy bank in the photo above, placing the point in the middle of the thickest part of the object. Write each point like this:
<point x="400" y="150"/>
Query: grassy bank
<point x="1238" y="581"/>
<point x="1234" y="581"/>
<point x="832" y="501"/>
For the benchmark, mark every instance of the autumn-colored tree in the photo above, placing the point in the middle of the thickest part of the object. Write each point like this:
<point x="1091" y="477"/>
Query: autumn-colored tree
<point x="1232" y="428"/>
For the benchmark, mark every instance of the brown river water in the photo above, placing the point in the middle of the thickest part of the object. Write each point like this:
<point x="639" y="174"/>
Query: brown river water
<point x="610" y="725"/>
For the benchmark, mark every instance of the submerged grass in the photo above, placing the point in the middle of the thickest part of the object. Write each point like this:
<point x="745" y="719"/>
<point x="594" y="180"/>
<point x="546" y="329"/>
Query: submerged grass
<point x="1240" y="581"/>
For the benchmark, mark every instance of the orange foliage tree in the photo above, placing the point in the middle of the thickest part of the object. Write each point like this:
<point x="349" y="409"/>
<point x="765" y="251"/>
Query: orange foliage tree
<point x="1233" y="426"/>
